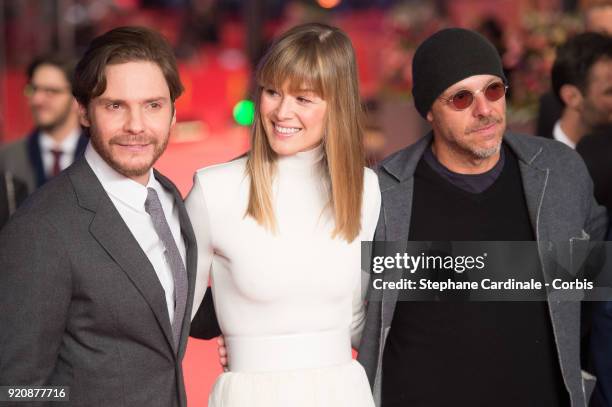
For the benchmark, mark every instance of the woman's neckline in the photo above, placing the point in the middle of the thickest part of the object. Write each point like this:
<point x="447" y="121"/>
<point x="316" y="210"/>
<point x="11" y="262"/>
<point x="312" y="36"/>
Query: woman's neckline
<point x="301" y="160"/>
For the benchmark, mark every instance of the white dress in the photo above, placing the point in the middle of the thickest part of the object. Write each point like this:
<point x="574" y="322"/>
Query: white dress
<point x="289" y="303"/>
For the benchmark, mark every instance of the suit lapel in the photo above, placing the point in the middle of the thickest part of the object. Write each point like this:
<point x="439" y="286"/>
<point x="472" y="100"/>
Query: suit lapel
<point x="534" y="184"/>
<point x="397" y="211"/>
<point x="535" y="180"/>
<point x="35" y="156"/>
<point x="191" y="257"/>
<point x="564" y="310"/>
<point x="111" y="232"/>
<point x="397" y="192"/>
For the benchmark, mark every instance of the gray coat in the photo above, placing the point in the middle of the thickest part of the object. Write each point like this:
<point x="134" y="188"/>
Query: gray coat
<point x="15" y="159"/>
<point x="81" y="305"/>
<point x="559" y="195"/>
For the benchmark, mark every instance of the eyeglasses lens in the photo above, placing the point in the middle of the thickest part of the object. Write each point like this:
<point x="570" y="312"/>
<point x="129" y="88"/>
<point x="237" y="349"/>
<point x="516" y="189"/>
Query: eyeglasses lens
<point x="495" y="91"/>
<point x="464" y="98"/>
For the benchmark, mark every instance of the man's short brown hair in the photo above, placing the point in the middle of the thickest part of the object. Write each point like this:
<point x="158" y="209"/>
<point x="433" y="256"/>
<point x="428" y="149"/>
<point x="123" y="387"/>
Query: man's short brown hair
<point x="121" y="45"/>
<point x="61" y="62"/>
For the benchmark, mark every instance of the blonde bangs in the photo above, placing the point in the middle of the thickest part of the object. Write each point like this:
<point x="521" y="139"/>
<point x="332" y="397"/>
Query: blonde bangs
<point x="299" y="68"/>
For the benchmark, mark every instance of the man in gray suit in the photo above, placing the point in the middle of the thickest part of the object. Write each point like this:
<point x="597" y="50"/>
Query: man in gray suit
<point x="97" y="269"/>
<point x="470" y="180"/>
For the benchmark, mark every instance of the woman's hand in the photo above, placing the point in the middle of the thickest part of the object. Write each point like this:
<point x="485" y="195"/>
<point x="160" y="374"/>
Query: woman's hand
<point x="222" y="352"/>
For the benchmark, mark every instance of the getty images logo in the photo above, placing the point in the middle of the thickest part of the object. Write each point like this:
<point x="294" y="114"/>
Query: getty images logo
<point x="410" y="263"/>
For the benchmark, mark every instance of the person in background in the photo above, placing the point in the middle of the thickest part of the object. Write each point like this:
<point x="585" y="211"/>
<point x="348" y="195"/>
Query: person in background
<point x="597" y="17"/>
<point x="596" y="150"/>
<point x="57" y="139"/>
<point x="600" y="339"/>
<point x="582" y="81"/>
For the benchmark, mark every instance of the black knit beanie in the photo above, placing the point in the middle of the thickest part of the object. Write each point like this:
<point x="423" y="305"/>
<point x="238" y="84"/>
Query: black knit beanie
<point x="447" y="57"/>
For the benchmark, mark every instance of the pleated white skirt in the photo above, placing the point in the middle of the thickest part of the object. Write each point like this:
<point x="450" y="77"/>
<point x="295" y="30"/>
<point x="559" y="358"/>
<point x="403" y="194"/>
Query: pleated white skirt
<point x="312" y="369"/>
<point x="344" y="385"/>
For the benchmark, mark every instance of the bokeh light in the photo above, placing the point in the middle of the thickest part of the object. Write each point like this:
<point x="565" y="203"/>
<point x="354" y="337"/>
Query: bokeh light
<point x="244" y="112"/>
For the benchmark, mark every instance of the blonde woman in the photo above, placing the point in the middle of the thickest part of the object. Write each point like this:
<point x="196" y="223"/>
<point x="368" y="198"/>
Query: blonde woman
<point x="280" y="229"/>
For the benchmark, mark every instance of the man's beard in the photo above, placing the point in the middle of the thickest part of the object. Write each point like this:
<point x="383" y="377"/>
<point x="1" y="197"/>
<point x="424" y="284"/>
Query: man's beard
<point x="594" y="118"/>
<point x="58" y="121"/>
<point x="482" y="153"/>
<point x="128" y="171"/>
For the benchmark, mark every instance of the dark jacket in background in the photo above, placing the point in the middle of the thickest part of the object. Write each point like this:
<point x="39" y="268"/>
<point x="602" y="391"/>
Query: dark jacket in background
<point x="596" y="150"/>
<point x="549" y="111"/>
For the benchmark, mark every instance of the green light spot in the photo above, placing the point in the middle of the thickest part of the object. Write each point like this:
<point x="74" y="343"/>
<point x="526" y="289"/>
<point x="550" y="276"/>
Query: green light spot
<point x="244" y="112"/>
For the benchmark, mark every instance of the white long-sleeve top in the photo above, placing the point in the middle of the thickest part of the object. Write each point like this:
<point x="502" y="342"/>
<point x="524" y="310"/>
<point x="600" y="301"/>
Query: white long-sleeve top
<point x="297" y="280"/>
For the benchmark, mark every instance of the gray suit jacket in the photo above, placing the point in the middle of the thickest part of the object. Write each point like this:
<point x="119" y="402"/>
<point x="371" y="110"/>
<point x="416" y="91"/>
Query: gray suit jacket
<point x="559" y="195"/>
<point x="81" y="305"/>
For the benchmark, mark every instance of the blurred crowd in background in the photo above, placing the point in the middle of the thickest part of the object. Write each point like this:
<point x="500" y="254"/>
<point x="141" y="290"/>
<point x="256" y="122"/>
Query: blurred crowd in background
<point x="218" y="43"/>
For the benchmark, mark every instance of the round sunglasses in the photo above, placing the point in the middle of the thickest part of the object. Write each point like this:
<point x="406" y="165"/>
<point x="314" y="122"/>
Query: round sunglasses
<point x="464" y="98"/>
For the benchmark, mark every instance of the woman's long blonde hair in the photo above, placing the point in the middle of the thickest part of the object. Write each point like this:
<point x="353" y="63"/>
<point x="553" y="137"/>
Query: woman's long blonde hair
<point x="321" y="58"/>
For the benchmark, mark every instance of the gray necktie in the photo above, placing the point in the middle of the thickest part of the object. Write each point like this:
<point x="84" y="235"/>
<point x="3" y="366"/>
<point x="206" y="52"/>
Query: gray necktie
<point x="179" y="274"/>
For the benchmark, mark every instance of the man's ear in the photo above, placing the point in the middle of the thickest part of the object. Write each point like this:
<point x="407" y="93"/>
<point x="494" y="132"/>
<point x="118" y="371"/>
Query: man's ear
<point x="84" y="116"/>
<point x="173" y="116"/>
<point x="75" y="106"/>
<point x="571" y="96"/>
<point x="429" y="116"/>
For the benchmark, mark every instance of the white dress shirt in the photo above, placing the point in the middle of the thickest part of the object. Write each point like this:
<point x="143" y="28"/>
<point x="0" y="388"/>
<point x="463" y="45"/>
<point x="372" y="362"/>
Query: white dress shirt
<point x="129" y="197"/>
<point x="68" y="147"/>
<point x="560" y="135"/>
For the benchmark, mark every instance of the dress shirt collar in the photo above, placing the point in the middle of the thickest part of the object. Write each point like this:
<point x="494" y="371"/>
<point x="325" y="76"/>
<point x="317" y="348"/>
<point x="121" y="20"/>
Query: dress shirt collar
<point x="67" y="146"/>
<point x="560" y="135"/>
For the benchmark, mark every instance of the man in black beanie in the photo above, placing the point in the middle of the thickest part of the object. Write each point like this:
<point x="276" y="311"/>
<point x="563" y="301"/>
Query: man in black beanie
<point x="470" y="180"/>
